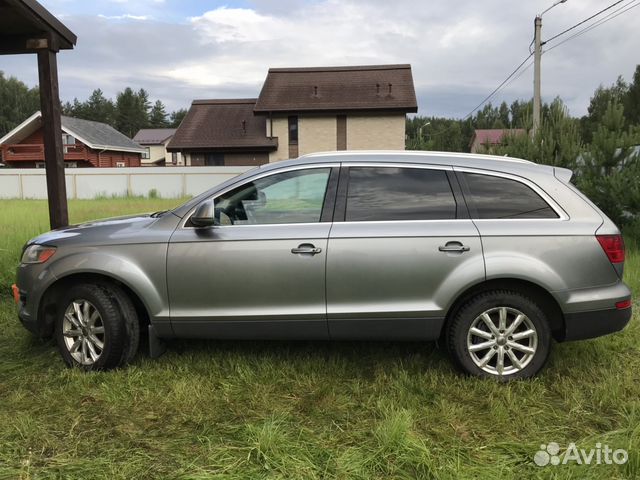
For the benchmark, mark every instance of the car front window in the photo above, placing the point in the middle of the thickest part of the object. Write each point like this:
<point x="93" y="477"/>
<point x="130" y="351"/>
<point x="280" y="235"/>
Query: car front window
<point x="290" y="197"/>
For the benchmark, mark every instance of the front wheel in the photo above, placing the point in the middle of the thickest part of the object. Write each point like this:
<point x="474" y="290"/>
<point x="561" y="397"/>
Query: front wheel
<point x="95" y="329"/>
<point x="500" y="334"/>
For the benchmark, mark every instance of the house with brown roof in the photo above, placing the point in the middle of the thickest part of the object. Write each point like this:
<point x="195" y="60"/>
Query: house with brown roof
<point x="300" y="111"/>
<point x="85" y="144"/>
<point x="155" y="141"/>
<point x="223" y="132"/>
<point x="484" y="139"/>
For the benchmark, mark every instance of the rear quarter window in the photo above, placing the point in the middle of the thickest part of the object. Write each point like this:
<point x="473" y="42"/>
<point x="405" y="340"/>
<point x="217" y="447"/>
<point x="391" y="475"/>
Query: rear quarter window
<point x="492" y="197"/>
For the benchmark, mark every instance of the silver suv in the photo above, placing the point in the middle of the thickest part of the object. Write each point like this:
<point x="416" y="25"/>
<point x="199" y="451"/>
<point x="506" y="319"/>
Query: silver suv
<point x="494" y="256"/>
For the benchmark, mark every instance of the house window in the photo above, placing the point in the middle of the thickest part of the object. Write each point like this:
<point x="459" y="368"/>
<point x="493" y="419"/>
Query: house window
<point x="40" y="165"/>
<point x="68" y="139"/>
<point x="293" y="130"/>
<point x="120" y="164"/>
<point x="174" y="158"/>
<point x="146" y="155"/>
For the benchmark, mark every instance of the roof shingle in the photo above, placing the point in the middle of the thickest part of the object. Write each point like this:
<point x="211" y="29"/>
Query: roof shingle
<point x="153" y="136"/>
<point x="99" y="135"/>
<point x="361" y="88"/>
<point x="222" y="125"/>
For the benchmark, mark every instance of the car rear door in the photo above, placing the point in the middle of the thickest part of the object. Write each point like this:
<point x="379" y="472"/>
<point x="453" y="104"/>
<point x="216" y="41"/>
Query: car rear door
<point x="260" y="273"/>
<point x="400" y="250"/>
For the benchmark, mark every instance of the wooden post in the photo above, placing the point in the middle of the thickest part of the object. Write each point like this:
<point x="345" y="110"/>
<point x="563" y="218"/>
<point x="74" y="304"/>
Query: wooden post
<point x="52" y="132"/>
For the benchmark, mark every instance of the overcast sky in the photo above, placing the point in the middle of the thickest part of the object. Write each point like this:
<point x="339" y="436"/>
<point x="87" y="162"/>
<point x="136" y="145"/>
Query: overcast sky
<point x="460" y="50"/>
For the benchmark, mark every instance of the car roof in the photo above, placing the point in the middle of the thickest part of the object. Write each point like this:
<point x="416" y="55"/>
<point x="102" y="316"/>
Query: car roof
<point x="469" y="160"/>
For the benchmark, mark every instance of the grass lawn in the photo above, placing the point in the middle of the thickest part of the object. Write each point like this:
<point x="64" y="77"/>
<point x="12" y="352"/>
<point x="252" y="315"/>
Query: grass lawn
<point x="300" y="410"/>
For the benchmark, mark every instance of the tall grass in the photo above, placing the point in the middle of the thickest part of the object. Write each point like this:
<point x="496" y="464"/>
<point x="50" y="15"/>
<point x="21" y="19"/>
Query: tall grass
<point x="244" y="410"/>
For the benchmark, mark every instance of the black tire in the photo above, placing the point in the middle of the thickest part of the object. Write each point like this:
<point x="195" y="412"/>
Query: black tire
<point x="459" y="337"/>
<point x="131" y="323"/>
<point x="119" y="333"/>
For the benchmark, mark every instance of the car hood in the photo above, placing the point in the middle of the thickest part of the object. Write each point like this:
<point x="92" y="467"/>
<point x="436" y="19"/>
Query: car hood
<point x="142" y="228"/>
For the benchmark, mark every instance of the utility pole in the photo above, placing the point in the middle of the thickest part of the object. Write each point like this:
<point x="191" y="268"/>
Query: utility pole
<point x="537" y="56"/>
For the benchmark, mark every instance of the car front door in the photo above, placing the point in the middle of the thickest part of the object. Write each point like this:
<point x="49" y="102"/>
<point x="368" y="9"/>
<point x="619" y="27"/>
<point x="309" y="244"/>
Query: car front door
<point x="260" y="272"/>
<point x="401" y="248"/>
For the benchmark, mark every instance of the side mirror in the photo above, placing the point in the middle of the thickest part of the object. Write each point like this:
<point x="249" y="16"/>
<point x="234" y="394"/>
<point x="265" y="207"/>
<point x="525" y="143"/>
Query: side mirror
<point x="204" y="216"/>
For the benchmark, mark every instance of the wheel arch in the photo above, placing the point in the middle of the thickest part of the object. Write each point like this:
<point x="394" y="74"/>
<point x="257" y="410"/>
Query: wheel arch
<point x="538" y="294"/>
<point x="47" y="308"/>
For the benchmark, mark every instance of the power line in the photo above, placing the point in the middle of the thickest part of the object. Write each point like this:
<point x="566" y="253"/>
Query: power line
<point x="583" y="21"/>
<point x="490" y="96"/>
<point x="611" y="16"/>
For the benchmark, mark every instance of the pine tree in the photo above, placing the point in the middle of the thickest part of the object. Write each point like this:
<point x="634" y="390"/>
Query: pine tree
<point x="609" y="170"/>
<point x="632" y="100"/>
<point x="158" y="116"/>
<point x="599" y="104"/>
<point x="176" y="117"/>
<point x="99" y="108"/>
<point x="557" y="142"/>
<point x="126" y="114"/>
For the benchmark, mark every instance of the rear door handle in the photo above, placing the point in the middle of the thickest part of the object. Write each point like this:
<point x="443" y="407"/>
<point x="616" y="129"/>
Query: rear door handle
<point x="306" y="248"/>
<point x="453" y="247"/>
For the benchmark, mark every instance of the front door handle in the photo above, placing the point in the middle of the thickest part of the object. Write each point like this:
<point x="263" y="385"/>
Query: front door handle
<point x="453" y="247"/>
<point x="306" y="248"/>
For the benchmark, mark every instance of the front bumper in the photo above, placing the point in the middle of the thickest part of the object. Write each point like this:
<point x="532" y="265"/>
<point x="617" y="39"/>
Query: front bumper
<point x="591" y="324"/>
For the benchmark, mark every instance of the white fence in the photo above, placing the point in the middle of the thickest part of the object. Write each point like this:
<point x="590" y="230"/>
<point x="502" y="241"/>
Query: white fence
<point x="168" y="182"/>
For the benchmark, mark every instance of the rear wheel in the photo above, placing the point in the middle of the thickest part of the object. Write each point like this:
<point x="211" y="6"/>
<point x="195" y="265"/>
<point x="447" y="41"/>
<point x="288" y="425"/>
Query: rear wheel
<point x="500" y="334"/>
<point x="96" y="328"/>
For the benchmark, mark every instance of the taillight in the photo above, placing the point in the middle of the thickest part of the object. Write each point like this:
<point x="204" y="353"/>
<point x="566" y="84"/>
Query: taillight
<point x="613" y="246"/>
<point x="623" y="304"/>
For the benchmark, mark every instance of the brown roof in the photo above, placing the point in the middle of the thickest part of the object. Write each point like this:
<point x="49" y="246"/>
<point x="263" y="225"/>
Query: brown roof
<point x="222" y="125"/>
<point x="493" y="136"/>
<point x="338" y="89"/>
<point x="153" y="136"/>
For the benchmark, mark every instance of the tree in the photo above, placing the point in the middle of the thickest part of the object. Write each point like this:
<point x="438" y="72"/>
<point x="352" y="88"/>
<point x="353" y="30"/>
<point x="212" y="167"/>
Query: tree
<point x="17" y="102"/>
<point x="599" y="104"/>
<point x="632" y="100"/>
<point x="609" y="173"/>
<point x="126" y="105"/>
<point x="557" y="141"/>
<point x="158" y="116"/>
<point x="97" y="108"/>
<point x="132" y="111"/>
<point x="176" y="117"/>
<point x="503" y="115"/>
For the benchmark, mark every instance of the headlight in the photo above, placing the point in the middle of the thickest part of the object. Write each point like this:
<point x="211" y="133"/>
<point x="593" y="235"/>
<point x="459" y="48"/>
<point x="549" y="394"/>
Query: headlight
<point x="37" y="254"/>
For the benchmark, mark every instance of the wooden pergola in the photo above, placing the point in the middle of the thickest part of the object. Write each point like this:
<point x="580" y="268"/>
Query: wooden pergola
<point x="27" y="27"/>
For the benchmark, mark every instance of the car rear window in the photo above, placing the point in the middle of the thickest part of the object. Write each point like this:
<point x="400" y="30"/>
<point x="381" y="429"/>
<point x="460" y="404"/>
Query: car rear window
<point x="390" y="193"/>
<point x="495" y="197"/>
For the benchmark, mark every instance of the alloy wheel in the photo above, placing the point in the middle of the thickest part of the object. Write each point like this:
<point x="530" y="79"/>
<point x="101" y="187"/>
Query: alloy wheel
<point x="83" y="332"/>
<point x="502" y="341"/>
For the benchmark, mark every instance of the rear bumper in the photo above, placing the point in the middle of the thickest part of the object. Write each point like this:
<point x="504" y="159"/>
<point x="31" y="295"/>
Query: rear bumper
<point x="591" y="324"/>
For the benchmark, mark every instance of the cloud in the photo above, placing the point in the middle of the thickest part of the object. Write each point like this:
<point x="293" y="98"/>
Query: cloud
<point x="125" y="16"/>
<point x="458" y="53"/>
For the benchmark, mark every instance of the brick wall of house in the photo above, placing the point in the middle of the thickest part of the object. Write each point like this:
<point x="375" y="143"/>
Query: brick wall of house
<point x="376" y="132"/>
<point x="317" y="134"/>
